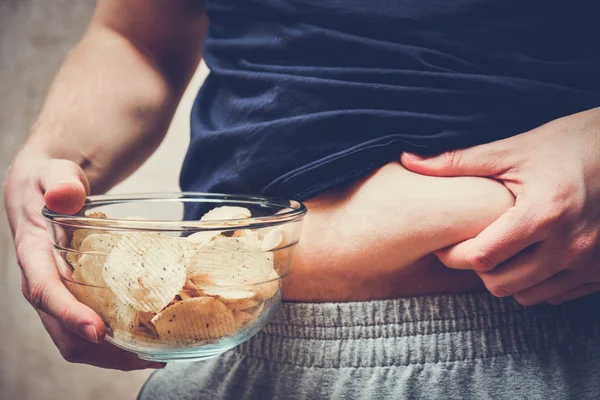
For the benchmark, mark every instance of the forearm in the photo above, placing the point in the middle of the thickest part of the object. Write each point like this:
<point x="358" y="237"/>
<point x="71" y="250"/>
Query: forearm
<point x="112" y="101"/>
<point x="107" y="109"/>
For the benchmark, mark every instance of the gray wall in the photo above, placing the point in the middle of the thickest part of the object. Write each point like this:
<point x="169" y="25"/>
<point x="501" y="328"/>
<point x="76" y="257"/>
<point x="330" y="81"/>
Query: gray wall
<point x="35" y="35"/>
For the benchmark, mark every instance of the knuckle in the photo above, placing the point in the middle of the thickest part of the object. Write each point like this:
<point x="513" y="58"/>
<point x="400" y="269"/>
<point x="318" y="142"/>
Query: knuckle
<point x="546" y="218"/>
<point x="481" y="260"/>
<point x="497" y="289"/>
<point x="584" y="244"/>
<point x="563" y="203"/>
<point x="453" y="158"/>
<point x="525" y="301"/>
<point x="64" y="316"/>
<point x="566" y="193"/>
<point x="38" y="295"/>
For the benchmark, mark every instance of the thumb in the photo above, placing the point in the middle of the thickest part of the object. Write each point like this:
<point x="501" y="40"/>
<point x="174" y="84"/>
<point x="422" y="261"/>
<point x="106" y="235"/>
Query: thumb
<point x="65" y="186"/>
<point x="485" y="160"/>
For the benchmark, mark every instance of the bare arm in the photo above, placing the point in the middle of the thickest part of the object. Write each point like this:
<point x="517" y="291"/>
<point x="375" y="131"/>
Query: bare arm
<point x="107" y="110"/>
<point x="113" y="99"/>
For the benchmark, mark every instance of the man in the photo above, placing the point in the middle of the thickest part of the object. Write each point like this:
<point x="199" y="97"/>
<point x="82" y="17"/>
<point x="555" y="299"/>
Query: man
<point x="317" y="101"/>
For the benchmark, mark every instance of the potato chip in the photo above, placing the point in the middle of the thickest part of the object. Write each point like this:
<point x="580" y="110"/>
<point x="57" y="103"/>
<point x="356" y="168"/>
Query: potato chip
<point x="120" y="317"/>
<point x="190" y="285"/>
<point x="232" y="262"/>
<point x="194" y="319"/>
<point x="126" y="318"/>
<point x="145" y="319"/>
<point x="100" y="300"/>
<point x="124" y="336"/>
<point x="97" y="214"/>
<point x="126" y="321"/>
<point x="226" y="213"/>
<point x="76" y="240"/>
<point x="193" y="244"/>
<point x="177" y="299"/>
<point x="88" y="270"/>
<point x="143" y="334"/>
<point x="145" y="270"/>
<point x="267" y="290"/>
<point x="90" y="288"/>
<point x="189" y="250"/>
<point x="250" y="237"/>
<point x="202" y="238"/>
<point x="248" y="233"/>
<point x="95" y="247"/>
<point x="72" y="257"/>
<point x="190" y="290"/>
<point x="234" y="298"/>
<point x="272" y="240"/>
<point x="242" y="318"/>
<point x="255" y="311"/>
<point x="80" y="234"/>
<point x="100" y="243"/>
<point x="139" y="335"/>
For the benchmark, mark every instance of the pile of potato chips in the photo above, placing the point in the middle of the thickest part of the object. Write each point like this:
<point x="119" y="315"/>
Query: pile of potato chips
<point x="151" y="287"/>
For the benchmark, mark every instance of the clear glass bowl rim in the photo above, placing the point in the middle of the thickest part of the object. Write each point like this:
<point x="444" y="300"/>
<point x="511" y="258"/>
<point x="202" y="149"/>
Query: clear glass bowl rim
<point x="296" y="212"/>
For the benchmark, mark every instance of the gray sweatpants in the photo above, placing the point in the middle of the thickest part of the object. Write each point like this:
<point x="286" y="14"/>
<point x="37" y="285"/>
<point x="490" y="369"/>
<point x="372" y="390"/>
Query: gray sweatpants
<point x="470" y="346"/>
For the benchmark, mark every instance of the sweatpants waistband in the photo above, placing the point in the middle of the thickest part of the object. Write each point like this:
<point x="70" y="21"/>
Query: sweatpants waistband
<point x="419" y="330"/>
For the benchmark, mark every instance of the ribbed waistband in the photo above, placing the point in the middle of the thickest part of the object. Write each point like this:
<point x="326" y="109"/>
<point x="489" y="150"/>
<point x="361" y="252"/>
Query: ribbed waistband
<point x="419" y="330"/>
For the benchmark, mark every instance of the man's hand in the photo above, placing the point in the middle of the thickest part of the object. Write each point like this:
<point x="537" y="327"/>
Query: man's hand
<point x="107" y="110"/>
<point x="546" y="247"/>
<point x="77" y="331"/>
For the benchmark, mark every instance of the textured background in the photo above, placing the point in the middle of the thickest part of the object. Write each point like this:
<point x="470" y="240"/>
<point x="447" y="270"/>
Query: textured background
<point x="34" y="37"/>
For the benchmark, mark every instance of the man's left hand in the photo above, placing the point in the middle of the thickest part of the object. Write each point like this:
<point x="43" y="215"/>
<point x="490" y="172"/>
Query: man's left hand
<point x="546" y="247"/>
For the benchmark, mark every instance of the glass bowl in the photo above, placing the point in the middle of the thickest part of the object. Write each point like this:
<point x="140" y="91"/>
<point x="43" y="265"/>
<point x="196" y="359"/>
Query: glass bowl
<point x="169" y="285"/>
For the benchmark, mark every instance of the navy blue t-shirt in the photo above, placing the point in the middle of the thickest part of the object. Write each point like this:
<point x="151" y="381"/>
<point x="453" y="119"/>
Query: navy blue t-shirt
<point x="306" y="94"/>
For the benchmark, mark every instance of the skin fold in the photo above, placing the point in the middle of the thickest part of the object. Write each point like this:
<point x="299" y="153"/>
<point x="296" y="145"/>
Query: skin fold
<point x="375" y="238"/>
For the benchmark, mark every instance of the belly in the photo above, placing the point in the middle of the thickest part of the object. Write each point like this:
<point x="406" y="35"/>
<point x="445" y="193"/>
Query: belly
<point x="375" y="238"/>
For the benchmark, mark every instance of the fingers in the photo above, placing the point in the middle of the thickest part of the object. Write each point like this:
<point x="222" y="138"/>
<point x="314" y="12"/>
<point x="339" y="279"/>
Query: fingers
<point x="46" y="292"/>
<point x="575" y="293"/>
<point x="513" y="232"/>
<point x="557" y="285"/>
<point x="65" y="186"/>
<point x="518" y="274"/>
<point x="485" y="160"/>
<point x="76" y="350"/>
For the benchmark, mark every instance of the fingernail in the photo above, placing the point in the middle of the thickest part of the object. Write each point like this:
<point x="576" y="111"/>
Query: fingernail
<point x="157" y="365"/>
<point x="413" y="156"/>
<point x="89" y="331"/>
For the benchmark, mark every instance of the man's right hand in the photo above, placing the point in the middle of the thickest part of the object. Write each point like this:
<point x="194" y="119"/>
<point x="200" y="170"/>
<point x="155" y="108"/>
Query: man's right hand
<point x="77" y="331"/>
<point x="108" y="108"/>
